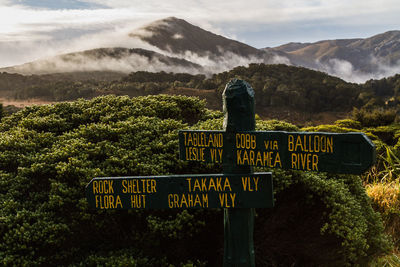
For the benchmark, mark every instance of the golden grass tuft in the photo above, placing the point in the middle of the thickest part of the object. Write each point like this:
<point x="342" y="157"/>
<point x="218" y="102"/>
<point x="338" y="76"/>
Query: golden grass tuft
<point x="385" y="196"/>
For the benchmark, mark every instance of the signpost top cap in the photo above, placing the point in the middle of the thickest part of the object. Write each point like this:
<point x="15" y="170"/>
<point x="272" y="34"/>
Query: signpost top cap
<point x="237" y="87"/>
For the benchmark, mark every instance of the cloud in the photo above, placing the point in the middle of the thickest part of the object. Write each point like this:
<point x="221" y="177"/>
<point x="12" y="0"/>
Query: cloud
<point x="346" y="71"/>
<point x="126" y="63"/>
<point x="15" y="53"/>
<point x="177" y="36"/>
<point x="235" y="17"/>
<point x="258" y="11"/>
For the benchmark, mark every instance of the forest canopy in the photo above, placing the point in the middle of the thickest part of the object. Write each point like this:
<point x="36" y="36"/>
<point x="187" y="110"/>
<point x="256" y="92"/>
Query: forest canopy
<point x="294" y="88"/>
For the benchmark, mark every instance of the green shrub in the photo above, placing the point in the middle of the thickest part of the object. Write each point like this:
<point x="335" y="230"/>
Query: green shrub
<point x="48" y="154"/>
<point x="374" y="117"/>
<point x="348" y="123"/>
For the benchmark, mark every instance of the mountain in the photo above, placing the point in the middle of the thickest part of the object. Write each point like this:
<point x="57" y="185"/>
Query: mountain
<point x="178" y="36"/>
<point x="372" y="55"/>
<point x="174" y="45"/>
<point x="214" y="52"/>
<point x="181" y="46"/>
<point x="117" y="60"/>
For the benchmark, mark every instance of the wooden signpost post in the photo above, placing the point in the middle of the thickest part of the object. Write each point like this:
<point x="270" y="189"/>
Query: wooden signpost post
<point x="238" y="190"/>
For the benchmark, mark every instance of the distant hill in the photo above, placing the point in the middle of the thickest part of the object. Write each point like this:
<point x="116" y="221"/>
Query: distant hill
<point x="370" y="55"/>
<point x="122" y="60"/>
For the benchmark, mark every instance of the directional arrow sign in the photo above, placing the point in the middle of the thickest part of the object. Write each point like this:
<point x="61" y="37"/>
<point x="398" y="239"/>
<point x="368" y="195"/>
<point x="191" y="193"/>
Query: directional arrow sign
<point x="308" y="151"/>
<point x="182" y="191"/>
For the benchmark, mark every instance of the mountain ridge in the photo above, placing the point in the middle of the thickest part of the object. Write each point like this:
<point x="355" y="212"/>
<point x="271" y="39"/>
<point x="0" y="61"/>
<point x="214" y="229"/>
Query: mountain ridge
<point x="366" y="55"/>
<point x="175" y="45"/>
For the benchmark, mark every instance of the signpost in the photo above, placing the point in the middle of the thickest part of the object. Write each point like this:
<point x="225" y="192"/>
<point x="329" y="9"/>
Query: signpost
<point x="181" y="191"/>
<point x="238" y="190"/>
<point x="350" y="153"/>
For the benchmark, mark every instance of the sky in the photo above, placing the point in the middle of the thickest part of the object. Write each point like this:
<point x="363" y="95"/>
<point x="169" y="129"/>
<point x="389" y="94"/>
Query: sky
<point x="34" y="29"/>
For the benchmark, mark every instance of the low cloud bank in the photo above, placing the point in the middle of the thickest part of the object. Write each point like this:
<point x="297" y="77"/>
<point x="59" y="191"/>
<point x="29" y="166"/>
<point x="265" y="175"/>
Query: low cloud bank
<point x="346" y="71"/>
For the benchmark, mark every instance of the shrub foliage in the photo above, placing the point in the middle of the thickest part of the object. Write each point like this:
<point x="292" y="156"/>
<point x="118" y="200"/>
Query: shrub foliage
<point x="49" y="153"/>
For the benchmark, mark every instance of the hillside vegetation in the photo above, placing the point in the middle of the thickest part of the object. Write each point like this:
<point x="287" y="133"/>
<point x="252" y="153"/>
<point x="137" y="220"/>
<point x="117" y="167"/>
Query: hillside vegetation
<point x="49" y="153"/>
<point x="292" y="93"/>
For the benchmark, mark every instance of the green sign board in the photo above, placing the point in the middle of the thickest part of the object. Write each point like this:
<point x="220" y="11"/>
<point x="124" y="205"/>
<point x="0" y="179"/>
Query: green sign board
<point x="308" y="151"/>
<point x="182" y="191"/>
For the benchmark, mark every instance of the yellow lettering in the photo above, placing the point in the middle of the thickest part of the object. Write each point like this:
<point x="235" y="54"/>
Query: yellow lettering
<point x="259" y="159"/>
<point x="124" y="189"/>
<point x="315" y="162"/>
<point x="275" y="145"/>
<point x="290" y="142"/>
<point x="220" y="140"/>
<point x="111" y="201"/>
<point x="329" y="145"/>
<point x="190" y="199"/>
<point x="251" y="157"/>
<point x="239" y="157"/>
<point x="138" y="201"/>
<point x="119" y="202"/>
<point x="187" y="201"/>
<point x="170" y="201"/>
<point x="309" y="144"/>
<point x="294" y="161"/>
<point x="227" y="185"/>
<point x="190" y="140"/>
<point x="203" y="184"/>
<point x="233" y="196"/>
<point x="244" y="183"/>
<point x="95" y="188"/>
<point x="245" y="157"/>
<point x="278" y="160"/>
<point x="176" y="201"/>
<point x="184" y="135"/>
<point x="316" y="143"/>
<point x="190" y="188"/>
<point x="237" y="140"/>
<point x="212" y="184"/>
<point x="256" y="182"/>
<point x="197" y="200"/>
<point x="323" y="143"/>
<point x="298" y="144"/>
<point x="219" y="185"/>
<point x="196" y="185"/>
<point x="210" y="141"/>
<point x="205" y="200"/>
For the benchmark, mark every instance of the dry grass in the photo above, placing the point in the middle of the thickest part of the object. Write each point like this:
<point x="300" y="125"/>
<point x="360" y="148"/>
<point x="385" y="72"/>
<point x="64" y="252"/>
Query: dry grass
<point x="23" y="103"/>
<point x="386" y="199"/>
<point x="385" y="196"/>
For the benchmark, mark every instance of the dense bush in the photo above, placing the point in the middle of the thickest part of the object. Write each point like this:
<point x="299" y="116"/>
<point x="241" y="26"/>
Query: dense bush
<point x="374" y="117"/>
<point x="48" y="154"/>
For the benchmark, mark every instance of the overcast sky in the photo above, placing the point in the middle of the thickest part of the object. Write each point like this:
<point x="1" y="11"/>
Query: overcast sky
<point x="33" y="29"/>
